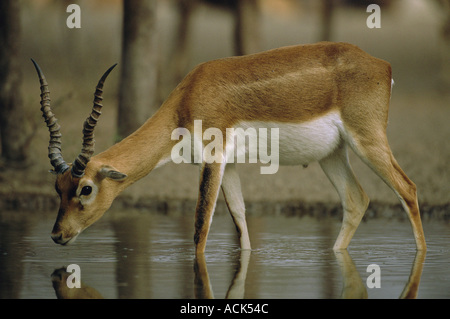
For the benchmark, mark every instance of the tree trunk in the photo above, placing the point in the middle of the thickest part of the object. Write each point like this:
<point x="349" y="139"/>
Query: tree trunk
<point x="139" y="81"/>
<point x="326" y="16"/>
<point x="246" y="29"/>
<point x="15" y="132"/>
<point x="445" y="46"/>
<point x="180" y="59"/>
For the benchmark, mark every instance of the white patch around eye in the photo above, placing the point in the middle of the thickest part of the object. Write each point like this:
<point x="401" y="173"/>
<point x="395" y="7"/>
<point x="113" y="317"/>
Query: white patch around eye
<point x="87" y="199"/>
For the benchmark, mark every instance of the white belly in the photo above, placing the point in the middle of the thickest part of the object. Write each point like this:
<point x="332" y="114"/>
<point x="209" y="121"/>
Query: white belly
<point x="299" y="144"/>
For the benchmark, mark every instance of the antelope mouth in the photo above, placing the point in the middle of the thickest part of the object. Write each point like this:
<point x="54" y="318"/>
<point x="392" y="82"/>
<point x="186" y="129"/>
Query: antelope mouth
<point x="70" y="241"/>
<point x="59" y="239"/>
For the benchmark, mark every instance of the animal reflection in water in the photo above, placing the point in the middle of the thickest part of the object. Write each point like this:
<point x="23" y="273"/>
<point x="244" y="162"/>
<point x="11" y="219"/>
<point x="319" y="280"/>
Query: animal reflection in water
<point x="59" y="282"/>
<point x="353" y="285"/>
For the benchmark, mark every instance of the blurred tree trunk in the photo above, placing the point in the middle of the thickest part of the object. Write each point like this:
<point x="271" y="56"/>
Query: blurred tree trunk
<point x="445" y="47"/>
<point x="15" y="133"/>
<point x="326" y="16"/>
<point x="139" y="81"/>
<point x="180" y="60"/>
<point x="246" y="32"/>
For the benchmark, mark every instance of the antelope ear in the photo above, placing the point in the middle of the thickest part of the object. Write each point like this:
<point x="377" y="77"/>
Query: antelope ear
<point x="109" y="172"/>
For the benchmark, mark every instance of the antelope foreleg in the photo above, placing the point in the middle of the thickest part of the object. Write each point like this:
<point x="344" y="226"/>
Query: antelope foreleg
<point x="210" y="181"/>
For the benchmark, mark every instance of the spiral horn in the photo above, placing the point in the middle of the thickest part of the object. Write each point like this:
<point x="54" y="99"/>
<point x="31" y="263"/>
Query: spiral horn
<point x="79" y="165"/>
<point x="54" y="147"/>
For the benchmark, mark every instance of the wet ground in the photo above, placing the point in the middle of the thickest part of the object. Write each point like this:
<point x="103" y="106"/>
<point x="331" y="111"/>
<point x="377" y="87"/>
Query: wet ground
<point x="143" y="255"/>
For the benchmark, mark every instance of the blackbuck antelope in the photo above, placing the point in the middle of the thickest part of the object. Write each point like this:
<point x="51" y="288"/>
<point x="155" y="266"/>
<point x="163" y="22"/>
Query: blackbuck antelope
<point x="323" y="98"/>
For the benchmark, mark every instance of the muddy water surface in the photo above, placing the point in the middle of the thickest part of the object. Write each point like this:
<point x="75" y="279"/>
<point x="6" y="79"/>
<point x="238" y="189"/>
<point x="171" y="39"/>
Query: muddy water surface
<point x="144" y="255"/>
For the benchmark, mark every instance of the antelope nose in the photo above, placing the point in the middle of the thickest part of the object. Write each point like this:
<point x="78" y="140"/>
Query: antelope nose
<point x="57" y="238"/>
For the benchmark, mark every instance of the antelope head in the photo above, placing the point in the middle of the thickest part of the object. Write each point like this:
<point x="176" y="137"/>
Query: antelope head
<point x="83" y="185"/>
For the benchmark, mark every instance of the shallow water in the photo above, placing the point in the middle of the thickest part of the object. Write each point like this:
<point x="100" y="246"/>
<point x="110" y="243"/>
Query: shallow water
<point x="144" y="255"/>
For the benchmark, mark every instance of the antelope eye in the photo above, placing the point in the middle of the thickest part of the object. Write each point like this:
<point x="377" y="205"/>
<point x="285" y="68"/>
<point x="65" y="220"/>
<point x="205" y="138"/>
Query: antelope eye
<point x="86" y="190"/>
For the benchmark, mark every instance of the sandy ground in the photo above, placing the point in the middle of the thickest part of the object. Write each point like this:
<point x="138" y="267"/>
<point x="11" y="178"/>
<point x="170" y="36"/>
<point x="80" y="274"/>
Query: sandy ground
<point x="418" y="124"/>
